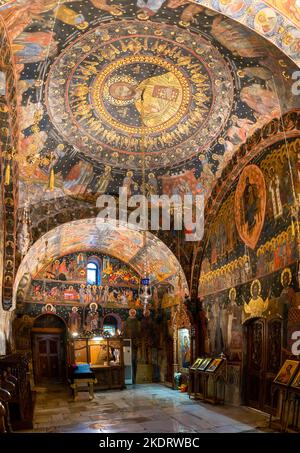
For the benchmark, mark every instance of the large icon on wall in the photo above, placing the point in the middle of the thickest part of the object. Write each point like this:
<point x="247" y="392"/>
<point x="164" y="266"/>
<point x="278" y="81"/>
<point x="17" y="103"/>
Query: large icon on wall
<point x="184" y="348"/>
<point x="250" y="205"/>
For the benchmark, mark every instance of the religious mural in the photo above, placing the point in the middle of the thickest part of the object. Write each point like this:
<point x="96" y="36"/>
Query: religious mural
<point x="93" y="234"/>
<point x="253" y="275"/>
<point x="235" y="254"/>
<point x="65" y="281"/>
<point x="250" y="205"/>
<point x="277" y="20"/>
<point x="200" y="101"/>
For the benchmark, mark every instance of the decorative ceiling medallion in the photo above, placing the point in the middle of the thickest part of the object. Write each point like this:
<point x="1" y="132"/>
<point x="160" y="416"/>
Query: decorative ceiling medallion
<point x="95" y="100"/>
<point x="250" y="205"/>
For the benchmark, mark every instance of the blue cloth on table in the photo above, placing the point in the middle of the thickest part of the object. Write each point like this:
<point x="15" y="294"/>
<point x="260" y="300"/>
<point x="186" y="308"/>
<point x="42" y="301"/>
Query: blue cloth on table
<point x="82" y="371"/>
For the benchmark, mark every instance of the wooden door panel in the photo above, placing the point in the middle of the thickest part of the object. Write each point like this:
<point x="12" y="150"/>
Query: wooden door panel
<point x="43" y="366"/>
<point x="273" y="362"/>
<point x="263" y="359"/>
<point x="47" y="356"/>
<point x="42" y="346"/>
<point x="53" y="366"/>
<point x="255" y="345"/>
<point x="53" y="346"/>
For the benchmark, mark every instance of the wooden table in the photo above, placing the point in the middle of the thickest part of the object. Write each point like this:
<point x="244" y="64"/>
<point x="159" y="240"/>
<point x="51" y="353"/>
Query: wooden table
<point x="90" y="383"/>
<point x="82" y="374"/>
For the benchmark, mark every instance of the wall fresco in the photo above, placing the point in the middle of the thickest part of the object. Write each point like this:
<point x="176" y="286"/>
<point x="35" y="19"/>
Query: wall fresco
<point x="240" y="280"/>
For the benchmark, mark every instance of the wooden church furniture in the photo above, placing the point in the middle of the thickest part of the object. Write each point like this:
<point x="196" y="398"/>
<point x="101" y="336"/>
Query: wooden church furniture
<point x="11" y="377"/>
<point x="283" y="396"/>
<point x="82" y="374"/>
<point x="286" y="385"/>
<point x="215" y="397"/>
<point x="196" y="384"/>
<point x="21" y="404"/>
<point x="2" y="418"/>
<point x="204" y="384"/>
<point x="292" y="417"/>
<point x="105" y="358"/>
<point x="5" y="398"/>
<point x="8" y="384"/>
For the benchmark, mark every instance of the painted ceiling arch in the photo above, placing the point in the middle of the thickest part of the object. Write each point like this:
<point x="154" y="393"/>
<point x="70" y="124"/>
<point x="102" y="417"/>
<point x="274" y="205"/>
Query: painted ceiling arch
<point x="82" y="67"/>
<point x="113" y="239"/>
<point x="276" y="20"/>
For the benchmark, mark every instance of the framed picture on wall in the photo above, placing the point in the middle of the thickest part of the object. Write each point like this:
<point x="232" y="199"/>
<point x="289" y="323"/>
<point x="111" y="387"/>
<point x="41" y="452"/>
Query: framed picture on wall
<point x="184" y="348"/>
<point x="214" y="365"/>
<point x="296" y="381"/>
<point x="204" y="364"/>
<point x="287" y="372"/>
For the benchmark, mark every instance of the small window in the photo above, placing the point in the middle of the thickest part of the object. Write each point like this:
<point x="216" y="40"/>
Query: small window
<point x="92" y="274"/>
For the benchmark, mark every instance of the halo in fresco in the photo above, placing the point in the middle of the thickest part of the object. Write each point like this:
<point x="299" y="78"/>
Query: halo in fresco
<point x="140" y="87"/>
<point x="250" y="205"/>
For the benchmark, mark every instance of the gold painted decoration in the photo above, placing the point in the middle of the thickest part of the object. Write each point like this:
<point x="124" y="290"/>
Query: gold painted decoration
<point x="256" y="305"/>
<point x="286" y="277"/>
<point x="232" y="294"/>
<point x="250" y="205"/>
<point x="135" y="88"/>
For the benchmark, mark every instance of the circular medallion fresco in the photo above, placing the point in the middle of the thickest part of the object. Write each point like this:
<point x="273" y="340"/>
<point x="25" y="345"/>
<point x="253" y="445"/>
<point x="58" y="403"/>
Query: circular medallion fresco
<point x="129" y="88"/>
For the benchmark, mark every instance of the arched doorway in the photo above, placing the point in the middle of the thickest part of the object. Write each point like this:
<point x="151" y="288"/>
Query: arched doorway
<point x="262" y="361"/>
<point x="48" y="336"/>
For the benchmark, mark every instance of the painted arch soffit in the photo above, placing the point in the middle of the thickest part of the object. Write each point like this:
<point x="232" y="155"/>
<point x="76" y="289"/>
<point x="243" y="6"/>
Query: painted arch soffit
<point x="118" y="241"/>
<point x="276" y="20"/>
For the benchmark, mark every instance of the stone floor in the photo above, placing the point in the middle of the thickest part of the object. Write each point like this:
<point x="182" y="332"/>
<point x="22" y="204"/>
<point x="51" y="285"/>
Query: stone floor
<point x="151" y="408"/>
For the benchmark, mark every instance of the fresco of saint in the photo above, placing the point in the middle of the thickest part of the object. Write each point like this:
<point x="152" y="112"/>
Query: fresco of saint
<point x="250" y="205"/>
<point x="256" y="306"/>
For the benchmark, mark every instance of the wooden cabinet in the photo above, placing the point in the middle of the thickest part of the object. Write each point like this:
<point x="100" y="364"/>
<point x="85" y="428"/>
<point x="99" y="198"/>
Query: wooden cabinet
<point x="105" y="357"/>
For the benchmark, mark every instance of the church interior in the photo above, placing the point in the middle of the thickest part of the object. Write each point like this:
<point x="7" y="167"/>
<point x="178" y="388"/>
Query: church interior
<point x="106" y="327"/>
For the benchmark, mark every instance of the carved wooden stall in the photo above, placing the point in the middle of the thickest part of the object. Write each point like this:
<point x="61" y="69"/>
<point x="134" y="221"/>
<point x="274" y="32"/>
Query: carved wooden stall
<point x="208" y="379"/>
<point x="286" y="387"/>
<point x="14" y="369"/>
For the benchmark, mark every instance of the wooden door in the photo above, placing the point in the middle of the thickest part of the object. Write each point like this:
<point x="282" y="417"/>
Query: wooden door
<point x="263" y="358"/>
<point x="255" y="362"/>
<point x="48" y="357"/>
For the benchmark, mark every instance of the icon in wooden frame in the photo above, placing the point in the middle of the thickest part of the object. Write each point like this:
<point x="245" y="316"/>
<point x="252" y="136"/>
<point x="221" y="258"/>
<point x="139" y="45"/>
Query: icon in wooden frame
<point x="204" y="364"/>
<point x="296" y="381"/>
<point x="214" y="365"/>
<point x="287" y="372"/>
<point x="196" y="363"/>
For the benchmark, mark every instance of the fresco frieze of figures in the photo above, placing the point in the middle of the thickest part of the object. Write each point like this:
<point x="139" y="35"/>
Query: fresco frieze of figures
<point x="238" y="251"/>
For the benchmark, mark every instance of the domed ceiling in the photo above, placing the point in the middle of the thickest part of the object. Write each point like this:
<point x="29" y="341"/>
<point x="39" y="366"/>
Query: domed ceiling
<point x="106" y="87"/>
<point x="140" y="88"/>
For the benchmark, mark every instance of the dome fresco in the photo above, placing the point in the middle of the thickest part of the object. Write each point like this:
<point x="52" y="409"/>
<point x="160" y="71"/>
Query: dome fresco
<point x="207" y="82"/>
